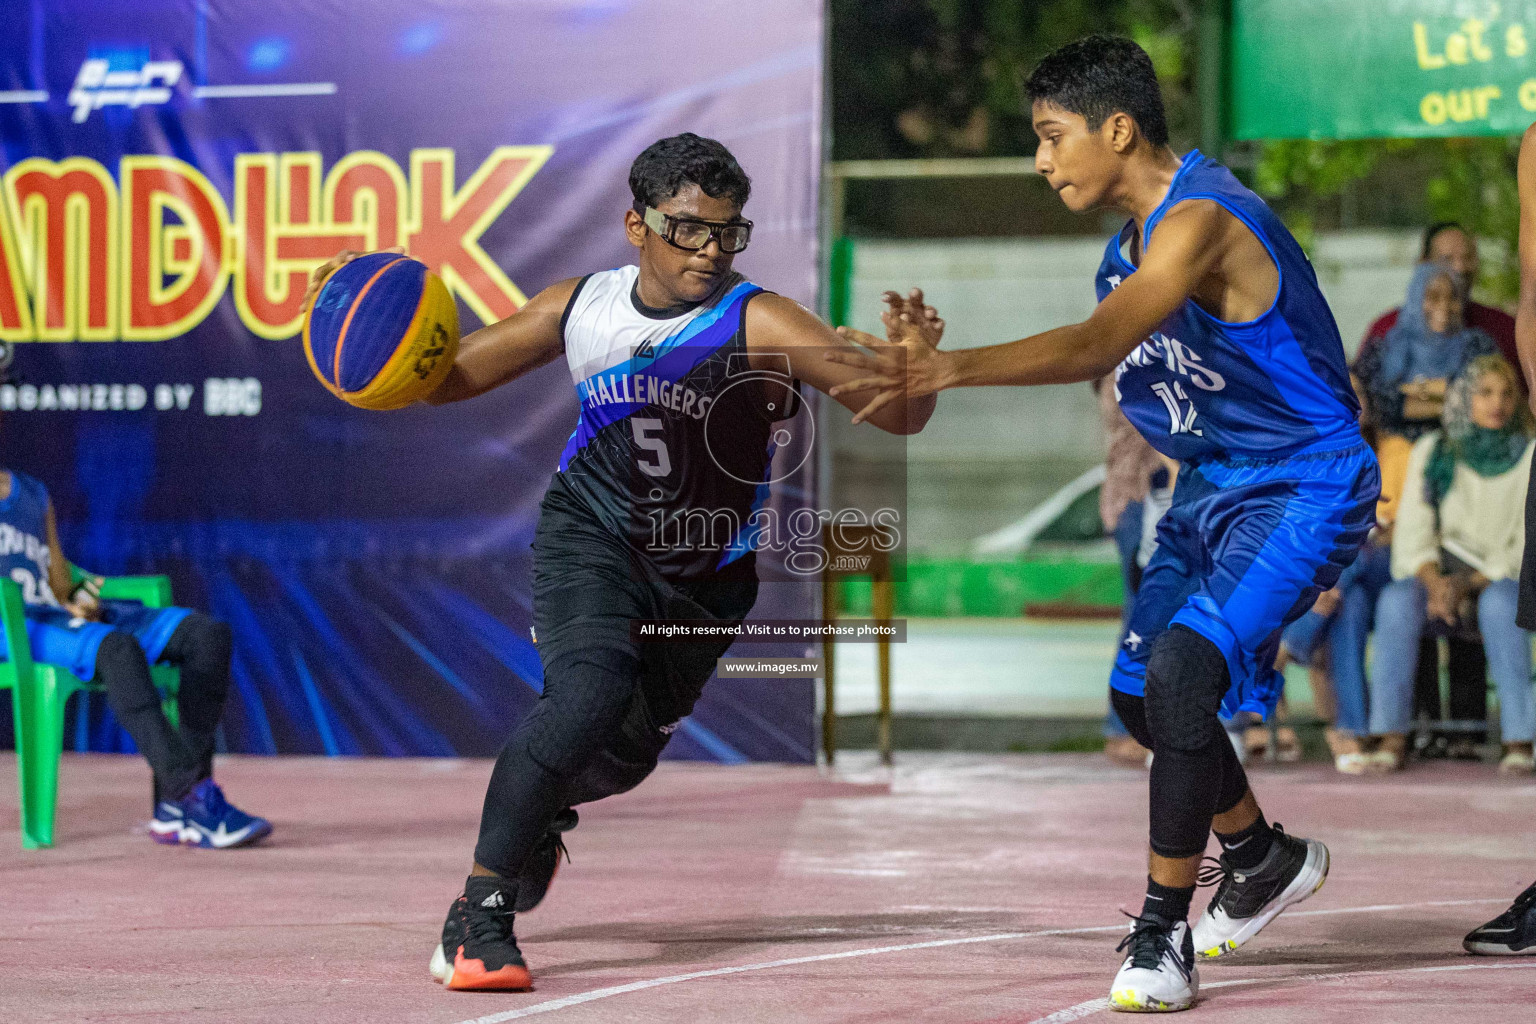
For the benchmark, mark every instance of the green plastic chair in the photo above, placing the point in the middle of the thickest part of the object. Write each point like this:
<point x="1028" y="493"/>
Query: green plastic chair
<point x="40" y="690"/>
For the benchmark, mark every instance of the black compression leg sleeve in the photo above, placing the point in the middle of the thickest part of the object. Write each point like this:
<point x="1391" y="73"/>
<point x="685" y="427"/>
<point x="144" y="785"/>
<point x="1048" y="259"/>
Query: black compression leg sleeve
<point x="1195" y="772"/>
<point x="589" y="686"/>
<point x="1133" y="714"/>
<point x="122" y="668"/>
<point x="201" y="647"/>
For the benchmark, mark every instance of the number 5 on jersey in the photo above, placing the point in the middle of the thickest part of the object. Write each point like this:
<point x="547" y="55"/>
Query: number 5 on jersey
<point x="647" y="431"/>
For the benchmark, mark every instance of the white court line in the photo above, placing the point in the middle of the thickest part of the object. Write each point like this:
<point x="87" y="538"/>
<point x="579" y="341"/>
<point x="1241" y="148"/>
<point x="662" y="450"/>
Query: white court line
<point x="1094" y="1006"/>
<point x="23" y="96"/>
<point x="637" y="986"/>
<point x="220" y="92"/>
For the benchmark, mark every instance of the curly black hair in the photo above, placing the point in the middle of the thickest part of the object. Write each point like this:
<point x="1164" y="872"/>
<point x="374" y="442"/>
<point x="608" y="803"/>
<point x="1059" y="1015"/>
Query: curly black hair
<point x="1099" y="76"/>
<point x="667" y="165"/>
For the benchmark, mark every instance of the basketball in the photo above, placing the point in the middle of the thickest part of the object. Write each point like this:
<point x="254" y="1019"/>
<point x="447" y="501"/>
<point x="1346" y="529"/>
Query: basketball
<point x="382" y="333"/>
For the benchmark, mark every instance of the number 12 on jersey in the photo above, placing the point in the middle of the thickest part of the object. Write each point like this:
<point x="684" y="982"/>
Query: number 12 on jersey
<point x="1181" y="411"/>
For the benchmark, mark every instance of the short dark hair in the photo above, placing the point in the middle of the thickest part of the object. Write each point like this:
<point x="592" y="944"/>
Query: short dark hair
<point x="1099" y="76"/>
<point x="668" y="165"/>
<point x="1434" y="230"/>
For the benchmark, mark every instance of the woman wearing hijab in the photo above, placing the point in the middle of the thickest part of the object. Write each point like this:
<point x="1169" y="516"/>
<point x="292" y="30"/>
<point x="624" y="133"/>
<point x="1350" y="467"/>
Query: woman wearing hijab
<point x="1407" y="376"/>
<point x="1456" y="552"/>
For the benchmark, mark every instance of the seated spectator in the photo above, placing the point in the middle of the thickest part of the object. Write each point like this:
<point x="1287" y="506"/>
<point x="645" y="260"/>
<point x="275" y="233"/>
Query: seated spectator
<point x="1449" y="242"/>
<point x="1402" y="418"/>
<point x="1456" y="552"/>
<point x="113" y="643"/>
<point x="1406" y="375"/>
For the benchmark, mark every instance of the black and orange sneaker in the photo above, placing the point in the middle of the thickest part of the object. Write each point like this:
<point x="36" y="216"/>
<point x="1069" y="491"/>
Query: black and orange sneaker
<point x="540" y="867"/>
<point x="479" y="951"/>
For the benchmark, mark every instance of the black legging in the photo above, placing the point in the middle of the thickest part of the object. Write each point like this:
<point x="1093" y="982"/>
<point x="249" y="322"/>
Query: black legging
<point x="1195" y="772"/>
<point x="610" y="701"/>
<point x="180" y="758"/>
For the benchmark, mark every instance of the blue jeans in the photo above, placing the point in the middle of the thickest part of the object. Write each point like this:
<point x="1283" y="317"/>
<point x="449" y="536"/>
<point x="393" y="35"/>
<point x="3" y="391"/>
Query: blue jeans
<point x="1360" y="589"/>
<point x="1344" y="633"/>
<point x="1400" y="619"/>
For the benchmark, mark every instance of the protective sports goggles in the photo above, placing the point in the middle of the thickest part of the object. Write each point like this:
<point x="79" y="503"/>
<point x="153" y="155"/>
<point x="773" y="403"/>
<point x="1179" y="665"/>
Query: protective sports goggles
<point x="693" y="235"/>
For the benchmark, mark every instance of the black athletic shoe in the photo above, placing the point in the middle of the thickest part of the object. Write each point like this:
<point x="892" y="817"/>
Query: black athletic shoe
<point x="540" y="867"/>
<point x="478" y="950"/>
<point x="1512" y="933"/>
<point x="1246" y="901"/>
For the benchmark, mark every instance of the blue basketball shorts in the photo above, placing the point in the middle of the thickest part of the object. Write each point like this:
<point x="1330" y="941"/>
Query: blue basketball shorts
<point x="59" y="638"/>
<point x="1245" y="549"/>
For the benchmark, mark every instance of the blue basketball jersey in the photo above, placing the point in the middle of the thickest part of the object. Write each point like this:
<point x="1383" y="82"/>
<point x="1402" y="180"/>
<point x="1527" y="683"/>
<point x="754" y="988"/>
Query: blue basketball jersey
<point x="24" y="555"/>
<point x="1200" y="387"/>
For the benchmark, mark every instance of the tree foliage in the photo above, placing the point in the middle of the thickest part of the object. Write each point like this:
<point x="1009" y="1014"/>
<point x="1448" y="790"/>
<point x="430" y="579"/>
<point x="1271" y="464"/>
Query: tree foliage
<point x="1470" y="181"/>
<point x="933" y="78"/>
<point x="939" y="78"/>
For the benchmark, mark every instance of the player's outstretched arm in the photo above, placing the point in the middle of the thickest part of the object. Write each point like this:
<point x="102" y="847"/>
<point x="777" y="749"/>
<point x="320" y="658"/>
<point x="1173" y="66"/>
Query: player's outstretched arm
<point x="776" y="324"/>
<point x="1525" y="312"/>
<point x="1188" y="248"/>
<point x="504" y="351"/>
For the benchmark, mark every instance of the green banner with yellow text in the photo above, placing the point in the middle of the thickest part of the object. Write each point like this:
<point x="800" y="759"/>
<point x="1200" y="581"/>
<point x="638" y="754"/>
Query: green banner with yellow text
<point x="1339" y="69"/>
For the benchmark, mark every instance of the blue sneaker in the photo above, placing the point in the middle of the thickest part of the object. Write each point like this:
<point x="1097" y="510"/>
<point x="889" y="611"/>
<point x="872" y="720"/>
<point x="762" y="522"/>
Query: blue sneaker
<point x="204" y="818"/>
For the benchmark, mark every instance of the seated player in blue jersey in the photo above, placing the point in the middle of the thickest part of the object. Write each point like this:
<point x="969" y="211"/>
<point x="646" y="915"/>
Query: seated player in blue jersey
<point x="1226" y="358"/>
<point x="666" y="436"/>
<point x="113" y="643"/>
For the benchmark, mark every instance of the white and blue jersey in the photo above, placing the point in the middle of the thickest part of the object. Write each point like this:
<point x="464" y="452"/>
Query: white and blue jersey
<point x="1276" y="488"/>
<point x="674" y="442"/>
<point x="56" y="636"/>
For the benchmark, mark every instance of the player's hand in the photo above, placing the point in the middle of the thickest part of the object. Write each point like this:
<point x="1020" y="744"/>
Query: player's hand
<point x="913" y="305"/>
<point x="904" y="366"/>
<point x="85" y="599"/>
<point x="330" y="266"/>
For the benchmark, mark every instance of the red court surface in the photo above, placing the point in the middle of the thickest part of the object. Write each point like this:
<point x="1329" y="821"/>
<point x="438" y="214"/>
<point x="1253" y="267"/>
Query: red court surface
<point x="959" y="890"/>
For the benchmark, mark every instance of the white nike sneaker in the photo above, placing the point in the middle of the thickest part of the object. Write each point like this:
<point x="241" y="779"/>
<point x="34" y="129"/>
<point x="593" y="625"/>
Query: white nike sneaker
<point x="1246" y="901"/>
<point x="1159" y="974"/>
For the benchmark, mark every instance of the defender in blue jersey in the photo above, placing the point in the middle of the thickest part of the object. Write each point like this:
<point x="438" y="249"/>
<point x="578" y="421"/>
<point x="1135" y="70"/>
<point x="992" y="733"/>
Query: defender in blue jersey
<point x="1226" y="358"/>
<point x="682" y="368"/>
<point x="113" y="643"/>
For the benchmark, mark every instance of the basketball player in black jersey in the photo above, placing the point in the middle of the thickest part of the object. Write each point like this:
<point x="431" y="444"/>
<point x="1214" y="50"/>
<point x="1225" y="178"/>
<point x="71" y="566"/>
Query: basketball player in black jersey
<point x="667" y="449"/>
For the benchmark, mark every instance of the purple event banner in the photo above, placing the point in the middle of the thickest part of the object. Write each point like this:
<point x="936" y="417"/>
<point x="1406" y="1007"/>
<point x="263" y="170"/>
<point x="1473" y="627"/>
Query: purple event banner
<point x="173" y="170"/>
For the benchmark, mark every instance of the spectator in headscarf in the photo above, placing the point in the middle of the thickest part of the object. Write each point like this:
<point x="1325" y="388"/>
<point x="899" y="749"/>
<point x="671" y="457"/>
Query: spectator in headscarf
<point x="1431" y="342"/>
<point x="1450" y="243"/>
<point x="1456" y="552"/>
